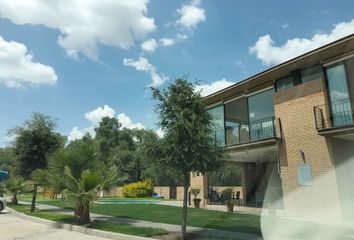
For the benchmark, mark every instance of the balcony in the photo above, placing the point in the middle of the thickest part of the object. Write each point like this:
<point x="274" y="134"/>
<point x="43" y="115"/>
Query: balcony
<point x="253" y="132"/>
<point x="337" y="116"/>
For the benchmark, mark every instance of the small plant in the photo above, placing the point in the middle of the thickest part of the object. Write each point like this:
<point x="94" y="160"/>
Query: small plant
<point x="230" y="205"/>
<point x="195" y="192"/>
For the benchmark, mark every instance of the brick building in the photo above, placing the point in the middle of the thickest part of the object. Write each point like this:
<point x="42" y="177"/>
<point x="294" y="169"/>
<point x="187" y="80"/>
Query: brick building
<point x="290" y="129"/>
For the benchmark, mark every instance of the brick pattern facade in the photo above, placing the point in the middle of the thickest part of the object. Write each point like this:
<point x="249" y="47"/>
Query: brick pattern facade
<point x="299" y="133"/>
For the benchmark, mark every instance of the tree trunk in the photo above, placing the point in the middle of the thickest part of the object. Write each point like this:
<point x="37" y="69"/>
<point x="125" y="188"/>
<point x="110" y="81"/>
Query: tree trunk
<point x="14" y="199"/>
<point x="34" y="196"/>
<point x="184" y="209"/>
<point x="79" y="208"/>
<point x="84" y="218"/>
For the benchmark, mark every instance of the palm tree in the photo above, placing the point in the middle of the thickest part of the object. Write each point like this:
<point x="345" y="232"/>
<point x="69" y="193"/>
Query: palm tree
<point x="15" y="185"/>
<point x="85" y="189"/>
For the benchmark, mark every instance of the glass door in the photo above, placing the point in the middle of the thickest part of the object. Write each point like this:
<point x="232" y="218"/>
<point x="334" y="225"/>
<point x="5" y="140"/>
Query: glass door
<point x="339" y="95"/>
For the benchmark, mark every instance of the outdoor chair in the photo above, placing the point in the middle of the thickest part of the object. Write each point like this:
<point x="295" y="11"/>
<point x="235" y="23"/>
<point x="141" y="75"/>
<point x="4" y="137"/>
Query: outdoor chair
<point x="214" y="197"/>
<point x="225" y="196"/>
<point x="237" y="197"/>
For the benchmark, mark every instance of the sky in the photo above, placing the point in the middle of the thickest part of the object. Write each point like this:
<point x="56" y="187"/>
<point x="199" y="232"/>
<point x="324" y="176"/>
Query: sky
<point x="79" y="60"/>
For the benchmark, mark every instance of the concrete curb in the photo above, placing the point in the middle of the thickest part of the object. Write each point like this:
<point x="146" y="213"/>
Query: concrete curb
<point x="79" y="229"/>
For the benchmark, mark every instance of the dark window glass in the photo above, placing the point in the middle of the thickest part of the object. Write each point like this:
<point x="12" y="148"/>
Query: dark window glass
<point x="218" y="124"/>
<point x="284" y="83"/>
<point x="339" y="95"/>
<point x="349" y="65"/>
<point x="312" y="73"/>
<point x="261" y="115"/>
<point x="236" y="122"/>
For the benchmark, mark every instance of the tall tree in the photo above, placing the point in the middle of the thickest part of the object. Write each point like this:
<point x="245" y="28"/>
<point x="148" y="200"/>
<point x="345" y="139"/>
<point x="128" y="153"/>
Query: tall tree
<point x="8" y="160"/>
<point x="188" y="144"/>
<point x="34" y="140"/>
<point x="107" y="134"/>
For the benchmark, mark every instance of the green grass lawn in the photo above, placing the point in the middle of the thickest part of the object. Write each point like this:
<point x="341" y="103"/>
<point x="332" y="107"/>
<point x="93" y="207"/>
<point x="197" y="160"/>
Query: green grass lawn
<point x="63" y="218"/>
<point x="169" y="214"/>
<point x="100" y="225"/>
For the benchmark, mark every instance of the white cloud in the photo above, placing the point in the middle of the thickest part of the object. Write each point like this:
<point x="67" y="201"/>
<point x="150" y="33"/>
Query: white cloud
<point x="191" y="15"/>
<point x="167" y="42"/>
<point x="77" y="133"/>
<point x="160" y="133"/>
<point x="266" y="50"/>
<point x="149" y="45"/>
<point x="128" y="123"/>
<point x="18" y="68"/>
<point x="241" y="66"/>
<point x="285" y="26"/>
<point x="95" y="116"/>
<point x="143" y="65"/>
<point x="85" y="24"/>
<point x="207" y="89"/>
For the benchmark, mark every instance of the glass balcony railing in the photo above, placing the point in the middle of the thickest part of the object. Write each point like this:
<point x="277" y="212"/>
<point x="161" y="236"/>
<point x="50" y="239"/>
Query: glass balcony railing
<point x="254" y="131"/>
<point x="338" y="114"/>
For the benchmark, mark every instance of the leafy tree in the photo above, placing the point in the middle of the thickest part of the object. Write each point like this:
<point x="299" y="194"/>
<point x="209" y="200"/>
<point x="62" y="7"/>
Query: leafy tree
<point x="107" y="134"/>
<point x="76" y="171"/>
<point x="15" y="185"/>
<point x="8" y="160"/>
<point x="149" y="151"/>
<point x="229" y="174"/>
<point x="34" y="140"/>
<point x="188" y="145"/>
<point x="84" y="190"/>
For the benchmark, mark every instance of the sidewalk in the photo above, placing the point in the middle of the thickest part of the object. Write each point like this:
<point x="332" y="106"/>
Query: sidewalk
<point x="167" y="227"/>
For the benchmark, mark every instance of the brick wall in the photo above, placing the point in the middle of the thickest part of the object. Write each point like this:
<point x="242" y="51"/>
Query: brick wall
<point x="294" y="107"/>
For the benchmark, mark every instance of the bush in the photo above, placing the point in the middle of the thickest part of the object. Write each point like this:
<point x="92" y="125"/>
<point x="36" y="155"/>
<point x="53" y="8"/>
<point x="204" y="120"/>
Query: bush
<point x="138" y="189"/>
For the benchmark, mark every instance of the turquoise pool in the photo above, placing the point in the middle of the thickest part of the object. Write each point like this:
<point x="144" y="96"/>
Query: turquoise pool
<point x="127" y="201"/>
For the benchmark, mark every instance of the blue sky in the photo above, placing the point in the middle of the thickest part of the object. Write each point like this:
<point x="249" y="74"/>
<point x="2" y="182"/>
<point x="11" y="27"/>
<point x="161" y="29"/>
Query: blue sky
<point x="80" y="60"/>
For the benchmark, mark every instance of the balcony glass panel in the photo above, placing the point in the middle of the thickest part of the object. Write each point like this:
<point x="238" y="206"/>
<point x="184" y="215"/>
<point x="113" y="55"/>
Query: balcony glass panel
<point x="261" y="115"/>
<point x="218" y="124"/>
<point x="236" y="122"/>
<point x="339" y="96"/>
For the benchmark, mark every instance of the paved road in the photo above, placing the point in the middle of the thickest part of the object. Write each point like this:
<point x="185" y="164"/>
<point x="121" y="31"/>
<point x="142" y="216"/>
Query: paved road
<point x="15" y="228"/>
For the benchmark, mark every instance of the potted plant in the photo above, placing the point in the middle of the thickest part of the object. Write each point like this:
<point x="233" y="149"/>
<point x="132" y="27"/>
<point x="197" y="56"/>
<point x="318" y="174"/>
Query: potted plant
<point x="195" y="192"/>
<point x="230" y="205"/>
<point x="227" y="198"/>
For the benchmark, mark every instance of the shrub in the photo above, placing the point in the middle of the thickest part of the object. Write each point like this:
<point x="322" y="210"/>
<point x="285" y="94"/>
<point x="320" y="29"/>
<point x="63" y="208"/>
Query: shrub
<point x="138" y="189"/>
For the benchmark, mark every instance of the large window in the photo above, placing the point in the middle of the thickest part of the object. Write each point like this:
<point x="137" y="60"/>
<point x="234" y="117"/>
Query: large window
<point x="261" y="115"/>
<point x="312" y="73"/>
<point x="218" y="124"/>
<point x="339" y="94"/>
<point x="236" y="122"/>
<point x="284" y="83"/>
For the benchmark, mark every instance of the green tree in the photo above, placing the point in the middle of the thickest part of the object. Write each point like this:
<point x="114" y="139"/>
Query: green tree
<point x="148" y="153"/>
<point x="15" y="185"/>
<point x="107" y="137"/>
<point x="8" y="160"/>
<point x="85" y="189"/>
<point x="188" y="144"/>
<point x="34" y="140"/>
